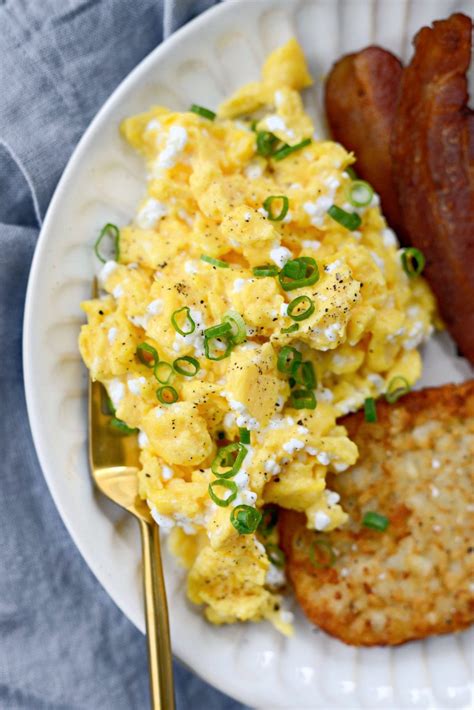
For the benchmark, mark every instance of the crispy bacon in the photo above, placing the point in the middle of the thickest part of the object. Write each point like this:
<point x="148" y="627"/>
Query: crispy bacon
<point x="361" y="98"/>
<point x="433" y="168"/>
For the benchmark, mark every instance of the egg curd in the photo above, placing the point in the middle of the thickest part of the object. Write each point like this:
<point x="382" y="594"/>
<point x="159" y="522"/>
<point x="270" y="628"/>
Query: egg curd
<point x="208" y="248"/>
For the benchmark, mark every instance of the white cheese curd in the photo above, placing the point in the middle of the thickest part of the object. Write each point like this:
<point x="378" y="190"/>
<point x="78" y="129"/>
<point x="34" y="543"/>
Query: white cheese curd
<point x="196" y="338"/>
<point x="284" y="309"/>
<point x="190" y="267"/>
<point x="104" y="273"/>
<point x="436" y="463"/>
<point x="293" y="445"/>
<point x="143" y="440"/>
<point x="276" y="123"/>
<point x="287" y="616"/>
<point x="244" y="419"/>
<point x="150" y="213"/>
<point x="112" y="335"/>
<point x="340" y="467"/>
<point x="166" y="473"/>
<point x="416" y="335"/>
<point x="271" y="467"/>
<point x="287" y="218"/>
<point x="311" y="244"/>
<point x="278" y="98"/>
<point x="333" y="266"/>
<point x="325" y="394"/>
<point x="175" y="143"/>
<point x="263" y="211"/>
<point x="139" y="321"/>
<point x="377" y="381"/>
<point x="135" y="384"/>
<point x="317" y="210"/>
<point x="389" y="238"/>
<point x="332" y="498"/>
<point x="116" y="390"/>
<point x="275" y="577"/>
<point x="154" y="308"/>
<point x="321" y="520"/>
<point x="253" y="170"/>
<point x="323" y="458"/>
<point x="238" y="285"/>
<point x="153" y="125"/>
<point x="280" y="255"/>
<point x="117" y="292"/>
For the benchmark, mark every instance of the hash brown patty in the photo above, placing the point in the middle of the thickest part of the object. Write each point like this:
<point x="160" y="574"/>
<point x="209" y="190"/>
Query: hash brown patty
<point x="416" y="466"/>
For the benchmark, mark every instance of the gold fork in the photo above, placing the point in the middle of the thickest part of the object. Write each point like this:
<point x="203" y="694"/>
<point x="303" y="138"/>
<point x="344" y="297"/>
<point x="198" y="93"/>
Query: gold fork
<point x="114" y="466"/>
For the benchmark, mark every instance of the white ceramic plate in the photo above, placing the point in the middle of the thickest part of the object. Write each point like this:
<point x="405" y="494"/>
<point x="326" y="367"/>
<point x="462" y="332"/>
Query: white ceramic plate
<point x="204" y="62"/>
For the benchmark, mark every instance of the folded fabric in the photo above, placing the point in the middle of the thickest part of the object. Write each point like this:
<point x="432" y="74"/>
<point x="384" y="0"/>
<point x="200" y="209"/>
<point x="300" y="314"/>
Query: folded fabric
<point x="63" y="643"/>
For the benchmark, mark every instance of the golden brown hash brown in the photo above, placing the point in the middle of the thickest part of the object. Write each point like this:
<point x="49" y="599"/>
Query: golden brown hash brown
<point x="416" y="466"/>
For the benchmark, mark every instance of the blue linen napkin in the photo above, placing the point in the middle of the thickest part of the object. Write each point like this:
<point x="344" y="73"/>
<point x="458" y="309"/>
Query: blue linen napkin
<point x="63" y="643"/>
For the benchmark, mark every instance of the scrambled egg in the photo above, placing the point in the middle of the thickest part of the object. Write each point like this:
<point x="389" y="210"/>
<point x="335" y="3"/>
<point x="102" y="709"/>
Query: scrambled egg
<point x="206" y="187"/>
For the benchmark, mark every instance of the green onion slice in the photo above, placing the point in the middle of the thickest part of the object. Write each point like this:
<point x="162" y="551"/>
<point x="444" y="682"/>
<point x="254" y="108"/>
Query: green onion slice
<point x="215" y="262"/>
<point x="326" y="548"/>
<point x="349" y="220"/>
<point x="303" y="374"/>
<point x="187" y="366"/>
<point x="147" y="355"/>
<point x="187" y="326"/>
<point x="245" y="519"/>
<point x="163" y="372"/>
<point x="298" y="273"/>
<point x="376" y="521"/>
<point x="397" y="387"/>
<point x="244" y="435"/>
<point x="352" y="173"/>
<point x="167" y="394"/>
<point x="301" y="301"/>
<point x="303" y="399"/>
<point x="238" y="329"/>
<point x="230" y="459"/>
<point x="272" y="213"/>
<point x="360" y="193"/>
<point x="291" y="328"/>
<point x="214" y="352"/>
<point x="269" y="519"/>
<point x="275" y="555"/>
<point x="266" y="143"/>
<point x="288" y="357"/>
<point x="370" y="410"/>
<point x="121" y="427"/>
<point x="112" y="231"/>
<point x="413" y="261"/>
<point x="229" y="486"/>
<point x="286" y="150"/>
<point x="266" y="270"/>
<point x="204" y="112"/>
<point x="215" y="331"/>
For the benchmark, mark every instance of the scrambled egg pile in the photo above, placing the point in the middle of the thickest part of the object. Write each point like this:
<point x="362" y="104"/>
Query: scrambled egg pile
<point x="361" y="323"/>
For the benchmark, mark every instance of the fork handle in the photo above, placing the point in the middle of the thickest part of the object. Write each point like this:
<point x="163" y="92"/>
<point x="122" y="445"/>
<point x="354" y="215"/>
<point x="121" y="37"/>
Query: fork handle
<point x="160" y="660"/>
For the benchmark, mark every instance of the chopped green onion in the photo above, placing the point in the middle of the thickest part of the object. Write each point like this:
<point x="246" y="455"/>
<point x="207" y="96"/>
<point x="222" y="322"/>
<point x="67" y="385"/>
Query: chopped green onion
<point x="349" y="220"/>
<point x="360" y="193"/>
<point x="291" y="328"/>
<point x="215" y="353"/>
<point x="120" y="426"/>
<point x="228" y="485"/>
<point x="163" y="372"/>
<point x="286" y="150"/>
<point x="301" y="301"/>
<point x="268" y="206"/>
<point x="204" y="112"/>
<point x="185" y="371"/>
<point x="397" y="387"/>
<point x="326" y="547"/>
<point x="376" y="521"/>
<point x="147" y="355"/>
<point x="265" y="143"/>
<point x="230" y="458"/>
<point x="287" y="358"/>
<point x="245" y="519"/>
<point x="266" y="270"/>
<point x="370" y="410"/>
<point x="188" y="321"/>
<point x="303" y="374"/>
<point x="215" y="262"/>
<point x="215" y="331"/>
<point x="244" y="435"/>
<point x="238" y="332"/>
<point x="352" y="173"/>
<point x="298" y="273"/>
<point x="303" y="399"/>
<point x="269" y="519"/>
<point x="113" y="232"/>
<point x="275" y="555"/>
<point x="167" y="394"/>
<point x="413" y="261"/>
